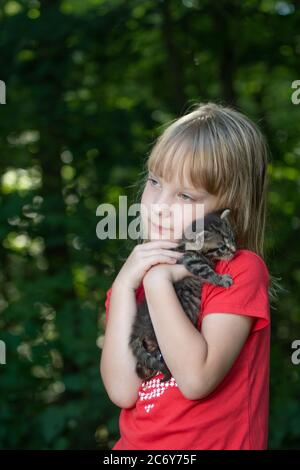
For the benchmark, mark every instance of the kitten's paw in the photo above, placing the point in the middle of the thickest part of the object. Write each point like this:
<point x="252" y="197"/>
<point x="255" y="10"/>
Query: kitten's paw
<point x="226" y="280"/>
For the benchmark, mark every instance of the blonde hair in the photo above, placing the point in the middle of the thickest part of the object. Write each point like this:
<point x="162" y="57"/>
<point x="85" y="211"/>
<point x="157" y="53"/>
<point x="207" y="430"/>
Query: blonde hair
<point x="221" y="150"/>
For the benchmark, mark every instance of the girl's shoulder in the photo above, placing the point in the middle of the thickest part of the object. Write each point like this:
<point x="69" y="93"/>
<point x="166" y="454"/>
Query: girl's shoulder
<point x="247" y="295"/>
<point x="244" y="261"/>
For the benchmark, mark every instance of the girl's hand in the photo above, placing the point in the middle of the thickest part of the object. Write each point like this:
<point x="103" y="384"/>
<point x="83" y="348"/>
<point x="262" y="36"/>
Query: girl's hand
<point x="164" y="271"/>
<point x="142" y="258"/>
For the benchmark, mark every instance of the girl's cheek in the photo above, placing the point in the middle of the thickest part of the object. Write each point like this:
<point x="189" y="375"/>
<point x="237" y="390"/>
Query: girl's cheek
<point x="146" y="196"/>
<point x="188" y="214"/>
<point x="146" y="202"/>
<point x="178" y="223"/>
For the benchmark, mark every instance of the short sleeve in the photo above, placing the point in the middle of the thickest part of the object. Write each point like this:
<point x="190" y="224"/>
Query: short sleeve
<point x="107" y="302"/>
<point x="139" y="294"/>
<point x="248" y="295"/>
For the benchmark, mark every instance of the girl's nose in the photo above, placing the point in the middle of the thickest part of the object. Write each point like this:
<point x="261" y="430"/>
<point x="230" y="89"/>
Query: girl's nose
<point x="161" y="209"/>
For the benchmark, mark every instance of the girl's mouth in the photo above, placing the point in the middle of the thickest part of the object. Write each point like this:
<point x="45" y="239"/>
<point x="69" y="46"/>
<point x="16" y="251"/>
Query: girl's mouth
<point x="159" y="231"/>
<point x="160" y="228"/>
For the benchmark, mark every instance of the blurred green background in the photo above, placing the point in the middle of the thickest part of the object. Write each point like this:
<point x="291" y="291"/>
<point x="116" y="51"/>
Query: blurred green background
<point x="90" y="84"/>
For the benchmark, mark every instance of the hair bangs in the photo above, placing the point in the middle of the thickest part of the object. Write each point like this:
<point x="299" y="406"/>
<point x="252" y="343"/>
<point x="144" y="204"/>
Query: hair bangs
<point x="188" y="157"/>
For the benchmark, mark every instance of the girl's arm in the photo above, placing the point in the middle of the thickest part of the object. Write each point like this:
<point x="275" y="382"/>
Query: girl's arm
<point x="197" y="361"/>
<point x="117" y="366"/>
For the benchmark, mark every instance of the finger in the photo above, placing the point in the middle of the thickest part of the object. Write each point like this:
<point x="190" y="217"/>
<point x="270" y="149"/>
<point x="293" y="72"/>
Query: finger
<point x="159" y="244"/>
<point x="165" y="252"/>
<point x="152" y="260"/>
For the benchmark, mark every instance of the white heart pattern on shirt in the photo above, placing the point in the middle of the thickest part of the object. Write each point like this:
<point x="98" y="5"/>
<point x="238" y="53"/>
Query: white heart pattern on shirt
<point x="157" y="389"/>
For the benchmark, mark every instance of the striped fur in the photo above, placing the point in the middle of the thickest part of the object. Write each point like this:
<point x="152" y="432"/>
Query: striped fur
<point x="201" y="252"/>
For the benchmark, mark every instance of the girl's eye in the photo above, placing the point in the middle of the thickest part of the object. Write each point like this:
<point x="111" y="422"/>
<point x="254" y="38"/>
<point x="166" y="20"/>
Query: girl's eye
<point x="152" y="181"/>
<point x="187" y="196"/>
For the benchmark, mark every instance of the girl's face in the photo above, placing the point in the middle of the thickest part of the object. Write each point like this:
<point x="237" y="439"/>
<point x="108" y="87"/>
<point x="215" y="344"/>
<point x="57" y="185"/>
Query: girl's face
<point x="168" y="208"/>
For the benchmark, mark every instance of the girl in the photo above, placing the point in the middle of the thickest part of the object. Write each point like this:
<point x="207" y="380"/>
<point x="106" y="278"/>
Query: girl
<point x="218" y="396"/>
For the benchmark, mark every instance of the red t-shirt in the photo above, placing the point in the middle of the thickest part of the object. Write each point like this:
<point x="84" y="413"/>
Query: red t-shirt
<point x="235" y="414"/>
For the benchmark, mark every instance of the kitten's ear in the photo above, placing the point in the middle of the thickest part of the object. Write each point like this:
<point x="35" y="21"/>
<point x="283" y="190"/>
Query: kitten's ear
<point x="201" y="236"/>
<point x="225" y="214"/>
<point x="197" y="243"/>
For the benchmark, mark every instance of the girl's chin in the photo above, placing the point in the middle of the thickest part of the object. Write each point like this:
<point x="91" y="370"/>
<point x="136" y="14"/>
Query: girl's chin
<point x="155" y="233"/>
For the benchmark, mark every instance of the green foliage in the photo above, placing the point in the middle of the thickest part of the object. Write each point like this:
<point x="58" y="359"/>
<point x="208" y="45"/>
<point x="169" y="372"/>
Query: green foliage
<point x="89" y="85"/>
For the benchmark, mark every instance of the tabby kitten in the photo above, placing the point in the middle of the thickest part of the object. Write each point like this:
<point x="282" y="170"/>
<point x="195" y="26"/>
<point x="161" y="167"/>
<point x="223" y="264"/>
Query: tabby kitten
<point x="201" y="252"/>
